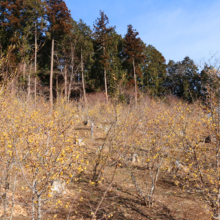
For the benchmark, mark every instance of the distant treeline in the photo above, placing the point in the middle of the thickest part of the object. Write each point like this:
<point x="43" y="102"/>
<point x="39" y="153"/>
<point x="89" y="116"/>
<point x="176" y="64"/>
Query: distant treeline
<point x="44" y="51"/>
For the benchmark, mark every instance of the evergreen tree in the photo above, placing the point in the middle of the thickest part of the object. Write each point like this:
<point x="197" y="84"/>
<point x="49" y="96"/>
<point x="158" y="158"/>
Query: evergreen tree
<point x="116" y="72"/>
<point x="154" y="71"/>
<point x="134" y="53"/>
<point x="183" y="79"/>
<point x="58" y="17"/>
<point x="102" y="36"/>
<point x="5" y="32"/>
<point x="208" y="81"/>
<point x="35" y="16"/>
<point x="19" y="28"/>
<point x="11" y="21"/>
<point x="71" y="58"/>
<point x="85" y="46"/>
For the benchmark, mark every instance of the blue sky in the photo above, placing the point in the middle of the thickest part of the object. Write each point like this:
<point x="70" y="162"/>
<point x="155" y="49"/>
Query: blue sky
<point x="177" y="28"/>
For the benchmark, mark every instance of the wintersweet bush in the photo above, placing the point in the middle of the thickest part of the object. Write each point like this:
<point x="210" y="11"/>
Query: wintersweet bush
<point x="40" y="157"/>
<point x="37" y="148"/>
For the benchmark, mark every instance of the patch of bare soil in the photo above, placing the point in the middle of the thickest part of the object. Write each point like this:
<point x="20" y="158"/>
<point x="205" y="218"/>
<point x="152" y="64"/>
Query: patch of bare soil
<point x="123" y="203"/>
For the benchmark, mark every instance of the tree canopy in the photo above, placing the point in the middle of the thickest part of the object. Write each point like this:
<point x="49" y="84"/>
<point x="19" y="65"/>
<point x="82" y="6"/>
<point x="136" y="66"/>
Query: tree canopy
<point x="106" y="61"/>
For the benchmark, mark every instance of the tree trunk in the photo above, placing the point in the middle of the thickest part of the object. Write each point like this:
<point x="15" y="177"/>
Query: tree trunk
<point x="29" y="84"/>
<point x="51" y="75"/>
<point x="72" y="71"/>
<point x="35" y="65"/>
<point x="6" y="187"/>
<point x="33" y="200"/>
<point x="13" y="197"/>
<point x="106" y="89"/>
<point x="33" y="206"/>
<point x="105" y="77"/>
<point x="57" y="86"/>
<point x="35" y="90"/>
<point x="39" y="207"/>
<point x="13" y="85"/>
<point x="65" y="83"/>
<point x="70" y="88"/>
<point x="83" y="83"/>
<point x="135" y="83"/>
<point x="24" y="70"/>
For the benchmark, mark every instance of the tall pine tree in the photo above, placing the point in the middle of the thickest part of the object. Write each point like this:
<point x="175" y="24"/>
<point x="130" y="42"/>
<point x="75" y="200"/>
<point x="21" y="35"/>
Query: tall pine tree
<point x="133" y="53"/>
<point x="86" y="49"/>
<point x="59" y="20"/>
<point x="102" y="35"/>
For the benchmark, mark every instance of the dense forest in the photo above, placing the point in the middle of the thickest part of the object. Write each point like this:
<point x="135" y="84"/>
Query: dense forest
<point x="45" y="52"/>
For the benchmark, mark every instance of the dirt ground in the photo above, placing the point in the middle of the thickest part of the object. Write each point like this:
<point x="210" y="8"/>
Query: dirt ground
<point x="124" y="203"/>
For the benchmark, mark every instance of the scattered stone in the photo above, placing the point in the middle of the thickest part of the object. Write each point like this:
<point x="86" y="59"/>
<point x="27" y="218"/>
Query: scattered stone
<point x="58" y="187"/>
<point x="134" y="158"/>
<point x="80" y="142"/>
